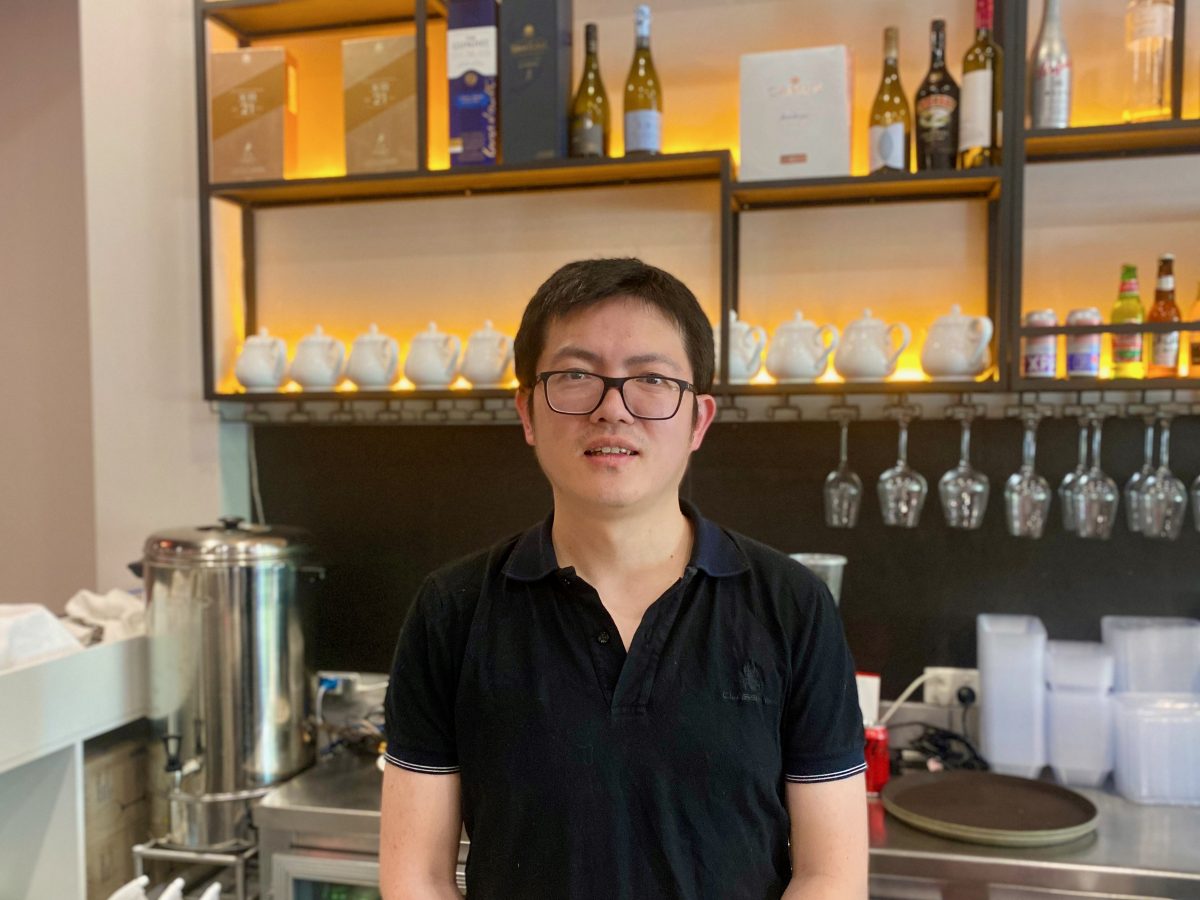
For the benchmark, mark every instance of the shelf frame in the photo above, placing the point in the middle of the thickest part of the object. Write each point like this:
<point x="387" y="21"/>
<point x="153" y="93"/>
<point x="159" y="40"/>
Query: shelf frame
<point x="254" y="20"/>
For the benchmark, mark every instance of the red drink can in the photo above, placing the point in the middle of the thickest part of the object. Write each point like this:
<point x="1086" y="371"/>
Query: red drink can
<point x="879" y="763"/>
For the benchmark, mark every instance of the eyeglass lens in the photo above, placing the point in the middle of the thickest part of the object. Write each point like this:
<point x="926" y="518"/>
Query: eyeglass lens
<point x="647" y="397"/>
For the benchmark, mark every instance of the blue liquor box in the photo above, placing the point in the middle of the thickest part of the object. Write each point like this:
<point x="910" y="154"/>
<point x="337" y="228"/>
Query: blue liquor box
<point x="472" y="63"/>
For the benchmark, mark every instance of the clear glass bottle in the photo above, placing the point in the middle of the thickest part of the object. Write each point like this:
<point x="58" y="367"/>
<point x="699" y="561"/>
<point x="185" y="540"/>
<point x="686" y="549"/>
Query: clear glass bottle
<point x="1162" y="350"/>
<point x="589" y="110"/>
<point x="1050" y="73"/>
<point x="891" y="120"/>
<point x="1149" y="29"/>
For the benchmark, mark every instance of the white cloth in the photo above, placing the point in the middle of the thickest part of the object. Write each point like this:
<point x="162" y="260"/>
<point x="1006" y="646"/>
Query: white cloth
<point x="119" y="613"/>
<point x="29" y="632"/>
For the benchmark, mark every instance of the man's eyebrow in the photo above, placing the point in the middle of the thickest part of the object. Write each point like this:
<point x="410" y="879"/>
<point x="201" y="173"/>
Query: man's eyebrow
<point x="646" y="359"/>
<point x="577" y="353"/>
<point x="587" y="356"/>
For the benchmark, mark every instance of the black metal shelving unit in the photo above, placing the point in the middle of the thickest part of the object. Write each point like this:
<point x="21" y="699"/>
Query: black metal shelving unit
<point x="1002" y="188"/>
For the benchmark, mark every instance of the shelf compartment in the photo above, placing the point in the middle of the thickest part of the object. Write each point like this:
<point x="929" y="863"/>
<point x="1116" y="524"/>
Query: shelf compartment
<point x="567" y="173"/>
<point x="1076" y="385"/>
<point x="1122" y="328"/>
<point x="1110" y="141"/>
<point x="900" y="187"/>
<point x="857" y="387"/>
<point x="254" y="19"/>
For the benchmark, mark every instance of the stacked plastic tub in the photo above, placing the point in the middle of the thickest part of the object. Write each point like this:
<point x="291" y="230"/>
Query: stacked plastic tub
<point x="1156" y="708"/>
<point x="1012" y="686"/>
<point x="1079" y="738"/>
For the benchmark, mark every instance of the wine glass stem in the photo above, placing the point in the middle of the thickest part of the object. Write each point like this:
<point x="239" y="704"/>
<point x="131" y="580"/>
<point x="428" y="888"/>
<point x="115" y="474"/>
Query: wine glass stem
<point x="1083" y="445"/>
<point x="1148" y="445"/>
<point x="1164" y="445"/>
<point x="1096" y="439"/>
<point x="903" y="449"/>
<point x="844" y="455"/>
<point x="1029" y="446"/>
<point x="964" y="446"/>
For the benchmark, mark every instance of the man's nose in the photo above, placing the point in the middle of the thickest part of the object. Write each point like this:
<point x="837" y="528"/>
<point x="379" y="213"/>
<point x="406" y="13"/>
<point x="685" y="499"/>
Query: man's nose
<point x="612" y="406"/>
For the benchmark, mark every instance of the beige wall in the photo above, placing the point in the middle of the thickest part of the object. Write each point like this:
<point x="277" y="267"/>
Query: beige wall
<point x="47" y="525"/>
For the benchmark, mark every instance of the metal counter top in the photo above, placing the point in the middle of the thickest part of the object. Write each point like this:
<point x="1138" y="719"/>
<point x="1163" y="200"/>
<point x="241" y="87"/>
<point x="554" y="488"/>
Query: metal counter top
<point x="1146" y="851"/>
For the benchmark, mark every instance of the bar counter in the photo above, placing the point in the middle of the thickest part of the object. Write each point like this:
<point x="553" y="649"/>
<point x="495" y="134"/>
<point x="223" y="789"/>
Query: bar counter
<point x="1136" y="851"/>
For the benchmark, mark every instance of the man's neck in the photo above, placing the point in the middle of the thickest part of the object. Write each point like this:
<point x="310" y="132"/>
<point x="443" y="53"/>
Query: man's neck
<point x="615" y="547"/>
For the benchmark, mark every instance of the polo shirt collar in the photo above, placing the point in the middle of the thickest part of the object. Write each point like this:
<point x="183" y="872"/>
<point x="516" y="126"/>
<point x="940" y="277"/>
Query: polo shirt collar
<point x="713" y="550"/>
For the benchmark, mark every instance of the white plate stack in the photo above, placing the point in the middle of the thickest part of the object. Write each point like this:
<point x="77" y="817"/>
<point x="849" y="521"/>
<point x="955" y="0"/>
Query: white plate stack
<point x="1079" y="740"/>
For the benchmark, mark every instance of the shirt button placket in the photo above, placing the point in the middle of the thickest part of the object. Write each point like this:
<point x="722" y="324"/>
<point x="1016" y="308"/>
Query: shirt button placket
<point x="603" y="637"/>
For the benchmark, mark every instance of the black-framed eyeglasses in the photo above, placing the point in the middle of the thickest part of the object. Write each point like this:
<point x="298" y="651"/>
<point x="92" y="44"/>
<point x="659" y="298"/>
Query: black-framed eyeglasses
<point x="645" y="396"/>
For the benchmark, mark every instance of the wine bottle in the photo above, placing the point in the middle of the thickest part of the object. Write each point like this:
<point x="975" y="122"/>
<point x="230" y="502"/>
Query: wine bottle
<point x="643" y="94"/>
<point x="1050" y="70"/>
<point x="1149" y="36"/>
<point x="937" y="108"/>
<point x="1194" y="337"/>
<point x="982" y="111"/>
<point x="1162" y="356"/>
<point x="589" y="110"/>
<point x="891" y="121"/>
<point x="1127" y="348"/>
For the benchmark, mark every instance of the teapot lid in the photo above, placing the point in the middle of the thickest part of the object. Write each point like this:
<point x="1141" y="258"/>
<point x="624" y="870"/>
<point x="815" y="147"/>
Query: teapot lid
<point x="318" y="335"/>
<point x="261" y="337"/>
<point x="867" y="320"/>
<point x="231" y="540"/>
<point x="486" y="331"/>
<point x="431" y="333"/>
<point x="796" y="323"/>
<point x="372" y="334"/>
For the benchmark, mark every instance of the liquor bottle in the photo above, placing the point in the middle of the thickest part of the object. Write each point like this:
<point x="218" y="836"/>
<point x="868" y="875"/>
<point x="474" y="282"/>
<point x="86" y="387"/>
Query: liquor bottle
<point x="1050" y="70"/>
<point x="589" y="110"/>
<point x="1162" y="356"/>
<point x="643" y="96"/>
<point x="937" y="108"/>
<point x="1194" y="337"/>
<point x="1149" y="30"/>
<point x="1127" y="348"/>
<point x="891" y="121"/>
<point x="982" y="112"/>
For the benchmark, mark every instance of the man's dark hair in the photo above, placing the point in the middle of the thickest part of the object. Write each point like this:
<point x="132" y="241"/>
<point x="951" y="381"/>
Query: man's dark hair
<point x="583" y="283"/>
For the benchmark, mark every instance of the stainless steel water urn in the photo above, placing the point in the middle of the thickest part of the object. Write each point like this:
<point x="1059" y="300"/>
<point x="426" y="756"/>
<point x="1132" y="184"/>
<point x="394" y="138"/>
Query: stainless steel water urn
<point x="230" y="696"/>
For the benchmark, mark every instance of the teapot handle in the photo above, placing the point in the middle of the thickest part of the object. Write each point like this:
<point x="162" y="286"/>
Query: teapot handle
<point x="392" y="357"/>
<point x="905" y="340"/>
<point x="507" y="343"/>
<point x="981" y="327"/>
<point x="337" y="357"/>
<point x="453" y="349"/>
<point x="760" y="338"/>
<point x="827" y="337"/>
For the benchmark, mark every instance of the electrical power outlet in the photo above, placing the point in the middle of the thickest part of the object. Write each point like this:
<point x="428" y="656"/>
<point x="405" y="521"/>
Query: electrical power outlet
<point x="941" y="687"/>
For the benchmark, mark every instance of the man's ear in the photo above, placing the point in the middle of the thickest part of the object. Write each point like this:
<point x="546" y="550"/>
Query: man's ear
<point x="706" y="411"/>
<point x="524" y="401"/>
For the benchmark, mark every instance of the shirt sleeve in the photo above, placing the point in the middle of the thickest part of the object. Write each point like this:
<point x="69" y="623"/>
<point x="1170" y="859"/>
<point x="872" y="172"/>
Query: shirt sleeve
<point x="419" y="707"/>
<point x="822" y="722"/>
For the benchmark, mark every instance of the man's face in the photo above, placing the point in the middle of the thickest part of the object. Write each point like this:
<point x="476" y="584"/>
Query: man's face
<point x="617" y="337"/>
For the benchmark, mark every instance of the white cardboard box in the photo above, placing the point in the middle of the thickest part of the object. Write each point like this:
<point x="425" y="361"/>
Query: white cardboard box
<point x="795" y="113"/>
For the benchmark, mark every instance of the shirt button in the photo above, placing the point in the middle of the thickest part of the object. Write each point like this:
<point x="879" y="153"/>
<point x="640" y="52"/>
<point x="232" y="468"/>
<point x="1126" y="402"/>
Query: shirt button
<point x="602" y="638"/>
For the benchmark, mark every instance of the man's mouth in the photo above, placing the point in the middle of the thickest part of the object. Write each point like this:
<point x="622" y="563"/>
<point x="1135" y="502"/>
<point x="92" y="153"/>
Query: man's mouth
<point x="609" y="451"/>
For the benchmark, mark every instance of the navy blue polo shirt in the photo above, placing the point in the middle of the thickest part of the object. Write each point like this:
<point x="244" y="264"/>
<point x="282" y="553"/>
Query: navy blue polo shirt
<point x="590" y="772"/>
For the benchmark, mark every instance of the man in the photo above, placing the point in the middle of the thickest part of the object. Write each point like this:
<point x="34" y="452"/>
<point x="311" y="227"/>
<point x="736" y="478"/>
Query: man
<point x="626" y="701"/>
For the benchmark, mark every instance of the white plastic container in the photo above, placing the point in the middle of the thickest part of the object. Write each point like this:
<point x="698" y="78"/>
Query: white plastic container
<point x="1158" y="748"/>
<point x="1154" y="654"/>
<point x="1012" y="681"/>
<point x="1079" y="741"/>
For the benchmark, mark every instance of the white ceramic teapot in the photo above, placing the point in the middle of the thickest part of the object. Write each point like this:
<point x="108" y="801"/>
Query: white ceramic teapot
<point x="318" y="361"/>
<point x="746" y="346"/>
<point x="262" y="364"/>
<point x="957" y="346"/>
<point x="800" y="350"/>
<point x="486" y="360"/>
<point x="433" y="358"/>
<point x="374" y="359"/>
<point x="868" y="350"/>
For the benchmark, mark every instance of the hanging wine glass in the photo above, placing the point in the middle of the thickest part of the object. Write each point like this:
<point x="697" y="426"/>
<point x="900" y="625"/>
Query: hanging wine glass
<point x="1137" y="482"/>
<point x="902" y="489"/>
<point x="1066" y="490"/>
<point x="843" y="489"/>
<point x="964" y="490"/>
<point x="1027" y="494"/>
<point x="1164" y="497"/>
<point x="1096" y="495"/>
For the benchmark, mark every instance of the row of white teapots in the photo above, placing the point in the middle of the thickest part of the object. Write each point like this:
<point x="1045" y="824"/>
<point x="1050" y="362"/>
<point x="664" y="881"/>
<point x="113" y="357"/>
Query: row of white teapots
<point x="957" y="347"/>
<point x="319" y="363"/>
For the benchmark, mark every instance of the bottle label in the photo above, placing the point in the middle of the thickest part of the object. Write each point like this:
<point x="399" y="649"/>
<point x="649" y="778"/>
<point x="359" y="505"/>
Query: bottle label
<point x="1156" y="20"/>
<point x="1164" y="350"/>
<point x="935" y="118"/>
<point x="471" y="50"/>
<point x="643" y="130"/>
<point x="587" y="138"/>
<point x="975" y="119"/>
<point x="1195" y="352"/>
<point x="1166" y="283"/>
<point x="1127" y="349"/>
<point x="887" y="146"/>
<point x="1052" y="95"/>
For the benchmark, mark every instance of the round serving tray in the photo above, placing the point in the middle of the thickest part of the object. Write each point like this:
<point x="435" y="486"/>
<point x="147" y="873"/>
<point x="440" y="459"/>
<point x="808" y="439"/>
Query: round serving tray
<point x="986" y="808"/>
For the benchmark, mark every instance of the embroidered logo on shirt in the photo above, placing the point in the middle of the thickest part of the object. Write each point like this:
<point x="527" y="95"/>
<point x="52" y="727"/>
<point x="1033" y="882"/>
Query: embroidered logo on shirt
<point x="750" y="684"/>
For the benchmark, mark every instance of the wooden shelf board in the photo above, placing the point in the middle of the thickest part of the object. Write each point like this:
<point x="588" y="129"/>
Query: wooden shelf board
<point x="1109" y="141"/>
<point x="361" y="396"/>
<point x="1123" y="328"/>
<point x="869" y="188"/>
<point x="1074" y="385"/>
<point x="857" y="387"/>
<point x="262" y="18"/>
<point x="567" y="173"/>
